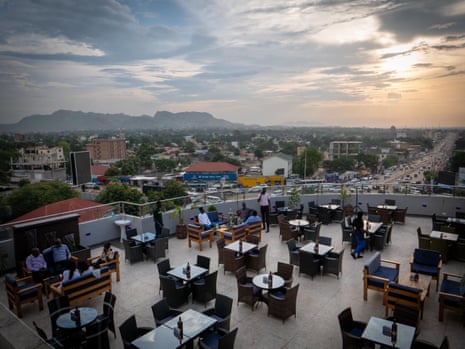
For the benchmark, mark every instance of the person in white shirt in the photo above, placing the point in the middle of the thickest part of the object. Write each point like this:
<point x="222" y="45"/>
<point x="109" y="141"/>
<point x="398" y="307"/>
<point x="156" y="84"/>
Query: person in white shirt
<point x="264" y="201"/>
<point x="253" y="218"/>
<point x="71" y="272"/>
<point x="203" y="219"/>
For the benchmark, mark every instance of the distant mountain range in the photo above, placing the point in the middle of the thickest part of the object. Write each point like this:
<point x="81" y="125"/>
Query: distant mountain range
<point x="67" y="120"/>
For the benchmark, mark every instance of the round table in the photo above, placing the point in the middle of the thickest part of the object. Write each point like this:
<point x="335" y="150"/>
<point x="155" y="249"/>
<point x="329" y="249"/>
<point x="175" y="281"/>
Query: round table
<point x="299" y="222"/>
<point x="88" y="315"/>
<point x="261" y="281"/>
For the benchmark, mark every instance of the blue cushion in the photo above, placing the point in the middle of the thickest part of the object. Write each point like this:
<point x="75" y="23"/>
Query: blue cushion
<point x="227" y="236"/>
<point x="212" y="340"/>
<point x="11" y="280"/>
<point x="404" y="288"/>
<point x="452" y="287"/>
<point x="388" y="273"/>
<point x="194" y="226"/>
<point x="426" y="257"/>
<point x="213" y="216"/>
<point x="357" y="332"/>
<point x="373" y="263"/>
<point x="279" y="294"/>
<point x="239" y="226"/>
<point x="29" y="293"/>
<point x="205" y="234"/>
<point x="424" y="269"/>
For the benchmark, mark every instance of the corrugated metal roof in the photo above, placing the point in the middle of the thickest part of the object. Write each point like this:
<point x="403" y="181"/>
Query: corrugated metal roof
<point x="204" y="166"/>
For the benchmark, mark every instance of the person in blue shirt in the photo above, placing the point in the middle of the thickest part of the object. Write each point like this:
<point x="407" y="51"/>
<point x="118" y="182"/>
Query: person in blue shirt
<point x="61" y="254"/>
<point x="253" y="218"/>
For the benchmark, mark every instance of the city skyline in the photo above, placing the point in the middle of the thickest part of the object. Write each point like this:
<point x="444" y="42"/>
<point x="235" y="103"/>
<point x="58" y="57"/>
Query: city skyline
<point x="311" y="63"/>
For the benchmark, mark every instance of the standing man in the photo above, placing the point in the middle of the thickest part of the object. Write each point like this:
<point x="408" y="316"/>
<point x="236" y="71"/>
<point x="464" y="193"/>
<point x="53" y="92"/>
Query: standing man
<point x="61" y="255"/>
<point x="359" y="237"/>
<point x="264" y="201"/>
<point x="158" y="218"/>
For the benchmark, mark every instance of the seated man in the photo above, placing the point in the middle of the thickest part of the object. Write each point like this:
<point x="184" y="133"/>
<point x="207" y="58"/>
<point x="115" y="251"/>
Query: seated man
<point x="61" y="255"/>
<point x="243" y="213"/>
<point x="36" y="264"/>
<point x="203" y="219"/>
<point x="253" y="218"/>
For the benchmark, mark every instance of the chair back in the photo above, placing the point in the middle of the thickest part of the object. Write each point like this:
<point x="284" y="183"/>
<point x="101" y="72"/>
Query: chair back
<point x="203" y="262"/>
<point x="285" y="270"/>
<point x="40" y="331"/>
<point x="241" y="275"/>
<point x="57" y="306"/>
<point x="324" y="240"/>
<point x="128" y="330"/>
<point x="231" y="261"/>
<point x="131" y="232"/>
<point x="164" y="266"/>
<point x="291" y="245"/>
<point x="390" y="202"/>
<point x="346" y="320"/>
<point x="160" y="311"/>
<point x="206" y="291"/>
<point x="109" y="301"/>
<point x="223" y="305"/>
<point x="253" y="239"/>
<point x="227" y="341"/>
<point x="97" y="335"/>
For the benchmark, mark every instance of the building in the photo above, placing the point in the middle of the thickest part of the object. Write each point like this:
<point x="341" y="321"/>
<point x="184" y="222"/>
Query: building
<point x="107" y="150"/>
<point x="338" y="149"/>
<point x="278" y="164"/>
<point x="211" y="172"/>
<point x="39" y="163"/>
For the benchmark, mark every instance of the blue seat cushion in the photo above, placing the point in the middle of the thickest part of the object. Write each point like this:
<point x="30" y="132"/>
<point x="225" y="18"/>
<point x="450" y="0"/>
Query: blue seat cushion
<point x="205" y="235"/>
<point x="424" y="269"/>
<point x="357" y="332"/>
<point x="194" y="226"/>
<point x="28" y="294"/>
<point x="426" y="257"/>
<point x="452" y="287"/>
<point x="373" y="263"/>
<point x="227" y="236"/>
<point x="11" y="280"/>
<point x="256" y="291"/>
<point x="281" y="294"/>
<point x="388" y="273"/>
<point x="212" y="340"/>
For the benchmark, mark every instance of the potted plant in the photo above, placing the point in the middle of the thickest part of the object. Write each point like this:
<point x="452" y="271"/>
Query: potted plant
<point x="294" y="198"/>
<point x="181" y="229"/>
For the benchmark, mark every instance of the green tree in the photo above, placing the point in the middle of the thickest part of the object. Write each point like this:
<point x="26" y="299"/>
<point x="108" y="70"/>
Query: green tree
<point x="456" y="161"/>
<point x="32" y="196"/>
<point x="340" y="165"/>
<point x="289" y="148"/>
<point x="390" y="160"/>
<point x="165" y="165"/>
<point x="121" y="192"/>
<point x="370" y="161"/>
<point x="113" y="171"/>
<point x="307" y="163"/>
<point x="173" y="189"/>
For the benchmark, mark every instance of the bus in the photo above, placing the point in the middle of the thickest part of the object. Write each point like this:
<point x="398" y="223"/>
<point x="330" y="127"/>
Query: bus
<point x="252" y="181"/>
<point x="308" y="183"/>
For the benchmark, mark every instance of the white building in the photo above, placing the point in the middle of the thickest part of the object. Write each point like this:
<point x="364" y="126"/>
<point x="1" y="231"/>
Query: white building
<point x="278" y="164"/>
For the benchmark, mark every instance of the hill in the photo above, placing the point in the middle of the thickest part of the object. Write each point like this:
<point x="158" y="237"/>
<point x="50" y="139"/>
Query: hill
<point x="67" y="120"/>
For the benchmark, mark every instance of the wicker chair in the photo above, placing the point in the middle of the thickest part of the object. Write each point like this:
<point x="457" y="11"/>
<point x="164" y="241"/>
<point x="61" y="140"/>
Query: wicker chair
<point x="283" y="306"/>
<point x="390" y="202"/>
<point x="398" y="216"/>
<point x="309" y="264"/>
<point x="286" y="232"/>
<point x="162" y="312"/>
<point x="423" y="344"/>
<point x="130" y="331"/>
<point x="253" y="239"/>
<point x="246" y="291"/>
<point x="158" y="249"/>
<point x="231" y="261"/>
<point x="351" y="330"/>
<point x="221" y="312"/>
<point x="312" y="232"/>
<point x="386" y="215"/>
<point x="332" y="263"/>
<point x="176" y="294"/>
<point x="286" y="271"/>
<point x="346" y="232"/>
<point x="294" y="252"/>
<point x="204" y="289"/>
<point x="133" y="253"/>
<point x="256" y="260"/>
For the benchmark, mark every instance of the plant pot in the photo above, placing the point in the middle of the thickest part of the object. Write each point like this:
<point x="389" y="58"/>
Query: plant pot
<point x="181" y="231"/>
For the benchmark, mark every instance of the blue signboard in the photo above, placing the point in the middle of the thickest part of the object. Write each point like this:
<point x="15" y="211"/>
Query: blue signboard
<point x="210" y="176"/>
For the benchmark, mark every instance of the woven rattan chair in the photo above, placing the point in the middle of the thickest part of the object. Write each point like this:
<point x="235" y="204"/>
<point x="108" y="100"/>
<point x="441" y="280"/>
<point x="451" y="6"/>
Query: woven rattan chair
<point x="246" y="291"/>
<point x="283" y="306"/>
<point x="256" y="260"/>
<point x="286" y="271"/>
<point x="232" y="262"/>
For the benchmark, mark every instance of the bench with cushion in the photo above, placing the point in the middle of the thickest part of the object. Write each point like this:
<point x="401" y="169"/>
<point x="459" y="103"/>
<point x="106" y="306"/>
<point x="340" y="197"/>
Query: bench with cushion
<point x="196" y="233"/>
<point x="21" y="291"/>
<point x="427" y="262"/>
<point x="376" y="276"/>
<point x="216" y="218"/>
<point x="84" y="287"/>
<point x="405" y="295"/>
<point x="238" y="232"/>
<point x="452" y="294"/>
<point x="113" y="265"/>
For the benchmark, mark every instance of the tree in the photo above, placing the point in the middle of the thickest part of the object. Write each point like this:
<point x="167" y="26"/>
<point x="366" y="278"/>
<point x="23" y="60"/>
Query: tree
<point x="116" y="191"/>
<point x="289" y="148"/>
<point x="165" y="165"/>
<point x="113" y="171"/>
<point x="456" y="161"/>
<point x="370" y="161"/>
<point x="307" y="163"/>
<point x="341" y="164"/>
<point x="32" y="196"/>
<point x="390" y="160"/>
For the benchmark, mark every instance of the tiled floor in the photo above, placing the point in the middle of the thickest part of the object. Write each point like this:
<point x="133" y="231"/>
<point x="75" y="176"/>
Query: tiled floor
<point x="318" y="301"/>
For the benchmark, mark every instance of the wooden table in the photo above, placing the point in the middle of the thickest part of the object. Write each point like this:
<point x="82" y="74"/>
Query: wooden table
<point x="423" y="283"/>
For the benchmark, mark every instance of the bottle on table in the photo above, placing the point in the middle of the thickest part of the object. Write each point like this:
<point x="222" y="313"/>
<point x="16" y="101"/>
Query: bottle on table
<point x="188" y="270"/>
<point x="240" y="246"/>
<point x="270" y="280"/>
<point x="77" y="315"/>
<point x="180" y="328"/>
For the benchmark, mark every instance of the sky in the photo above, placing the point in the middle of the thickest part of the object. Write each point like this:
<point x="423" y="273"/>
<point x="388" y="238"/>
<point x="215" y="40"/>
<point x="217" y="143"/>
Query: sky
<point x="372" y="63"/>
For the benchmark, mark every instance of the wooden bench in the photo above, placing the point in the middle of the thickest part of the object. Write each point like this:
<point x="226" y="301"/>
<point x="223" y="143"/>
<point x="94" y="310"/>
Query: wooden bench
<point x="83" y="287"/>
<point x="113" y="265"/>
<point x="196" y="233"/>
<point x="401" y="294"/>
<point x="376" y="276"/>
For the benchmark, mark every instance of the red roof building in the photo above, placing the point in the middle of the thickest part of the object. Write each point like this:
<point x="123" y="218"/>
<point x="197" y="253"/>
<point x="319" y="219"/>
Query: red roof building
<point x="88" y="210"/>
<point x="204" y="166"/>
<point x="211" y="171"/>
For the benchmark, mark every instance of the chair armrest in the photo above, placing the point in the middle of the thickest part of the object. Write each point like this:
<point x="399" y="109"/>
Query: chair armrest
<point x="26" y="279"/>
<point x="379" y="278"/>
<point x="209" y="311"/>
<point x="26" y="289"/>
<point x="389" y="261"/>
<point x="447" y="275"/>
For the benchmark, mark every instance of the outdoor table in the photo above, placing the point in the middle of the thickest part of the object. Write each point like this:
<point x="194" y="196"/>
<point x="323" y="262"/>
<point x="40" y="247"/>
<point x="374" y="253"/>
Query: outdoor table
<point x="261" y="281"/>
<point x="374" y="333"/>
<point x="246" y="247"/>
<point x="443" y="235"/>
<point x="160" y="338"/>
<point x="87" y="316"/>
<point x="144" y="237"/>
<point x="388" y="207"/>
<point x="180" y="272"/>
<point x="322" y="249"/>
<point x="193" y="321"/>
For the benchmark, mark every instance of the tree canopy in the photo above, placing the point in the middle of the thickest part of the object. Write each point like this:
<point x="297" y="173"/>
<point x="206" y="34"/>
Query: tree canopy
<point x="116" y="191"/>
<point x="31" y="196"/>
<point x="307" y="163"/>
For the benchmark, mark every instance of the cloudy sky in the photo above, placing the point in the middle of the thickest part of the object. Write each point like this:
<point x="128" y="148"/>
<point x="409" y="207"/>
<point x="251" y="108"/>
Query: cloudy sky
<point x="348" y="63"/>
